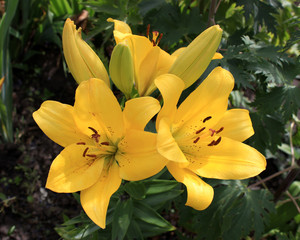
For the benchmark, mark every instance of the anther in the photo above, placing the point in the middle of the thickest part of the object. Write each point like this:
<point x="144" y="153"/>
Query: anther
<point x="206" y="119"/>
<point x="212" y="143"/>
<point x="85" y="151"/>
<point x="80" y="143"/>
<point x="220" y="130"/>
<point x="96" y="137"/>
<point x="91" y="155"/>
<point x="196" y="140"/>
<point x="200" y="130"/>
<point x="93" y="129"/>
<point x="218" y="141"/>
<point x="105" y="143"/>
<point x="160" y="36"/>
<point x="148" y="30"/>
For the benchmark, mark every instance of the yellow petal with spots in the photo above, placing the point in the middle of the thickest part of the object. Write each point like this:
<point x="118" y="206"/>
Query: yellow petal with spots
<point x="82" y="61"/>
<point x="228" y="159"/>
<point x="137" y="156"/>
<point x="56" y="121"/>
<point x="208" y="101"/>
<point x="200" y="194"/>
<point x="97" y="107"/>
<point x="95" y="199"/>
<point x="73" y="170"/>
<point x="193" y="61"/>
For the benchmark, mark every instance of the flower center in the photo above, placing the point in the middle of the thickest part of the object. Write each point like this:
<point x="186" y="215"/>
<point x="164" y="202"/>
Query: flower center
<point x="102" y="148"/>
<point x="211" y="132"/>
<point x="156" y="37"/>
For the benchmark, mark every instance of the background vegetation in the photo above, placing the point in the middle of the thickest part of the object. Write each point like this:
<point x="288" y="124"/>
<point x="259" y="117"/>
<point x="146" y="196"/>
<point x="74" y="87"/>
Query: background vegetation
<point x="260" y="46"/>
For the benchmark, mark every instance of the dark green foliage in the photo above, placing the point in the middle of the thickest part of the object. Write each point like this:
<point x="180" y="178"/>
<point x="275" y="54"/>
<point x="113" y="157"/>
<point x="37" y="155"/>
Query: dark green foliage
<point x="234" y="213"/>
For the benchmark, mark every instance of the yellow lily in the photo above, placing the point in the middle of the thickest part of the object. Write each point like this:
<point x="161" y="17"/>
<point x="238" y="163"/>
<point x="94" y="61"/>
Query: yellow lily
<point x="82" y="61"/>
<point x="151" y="61"/>
<point x="103" y="145"/>
<point x="202" y="137"/>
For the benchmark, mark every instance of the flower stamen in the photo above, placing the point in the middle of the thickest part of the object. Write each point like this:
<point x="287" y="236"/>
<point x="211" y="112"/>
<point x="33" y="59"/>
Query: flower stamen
<point x="206" y="119"/>
<point x="200" y="130"/>
<point x="81" y="143"/>
<point x="196" y="140"/>
<point x="85" y="151"/>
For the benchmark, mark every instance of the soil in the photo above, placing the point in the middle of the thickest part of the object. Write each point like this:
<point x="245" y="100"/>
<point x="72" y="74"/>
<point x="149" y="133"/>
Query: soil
<point x="27" y="209"/>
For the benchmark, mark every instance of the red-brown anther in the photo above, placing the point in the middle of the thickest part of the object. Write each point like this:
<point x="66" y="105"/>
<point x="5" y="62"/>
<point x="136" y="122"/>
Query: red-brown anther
<point x="84" y="152"/>
<point x="196" y="140"/>
<point x="206" y="119"/>
<point x="91" y="155"/>
<point x="220" y="130"/>
<point x="148" y="30"/>
<point x="160" y="37"/>
<point x="200" y="130"/>
<point x="81" y="143"/>
<point x="105" y="143"/>
<point x="93" y="129"/>
<point x="218" y="141"/>
<point x="153" y="42"/>
<point x="212" y="143"/>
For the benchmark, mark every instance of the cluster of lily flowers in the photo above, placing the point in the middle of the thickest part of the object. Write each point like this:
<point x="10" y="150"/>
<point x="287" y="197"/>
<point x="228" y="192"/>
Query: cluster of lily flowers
<point x="105" y="143"/>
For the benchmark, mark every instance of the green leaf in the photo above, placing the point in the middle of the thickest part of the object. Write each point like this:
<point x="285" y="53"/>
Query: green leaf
<point x="158" y="200"/>
<point x="149" y="221"/>
<point x="235" y="212"/>
<point x="159" y="186"/>
<point x="136" y="190"/>
<point x="122" y="218"/>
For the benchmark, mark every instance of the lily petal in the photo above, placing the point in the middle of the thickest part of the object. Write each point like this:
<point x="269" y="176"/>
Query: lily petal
<point x="73" y="170"/>
<point x="95" y="199"/>
<point x="82" y="61"/>
<point x="227" y="160"/>
<point x="139" y="111"/>
<point x="56" y="121"/>
<point x="217" y="56"/>
<point x="120" y="26"/>
<point x="147" y="70"/>
<point x="170" y="87"/>
<point x="137" y="156"/>
<point x="200" y="194"/>
<point x="193" y="61"/>
<point x="236" y="124"/>
<point x="209" y="100"/>
<point x="166" y="144"/>
<point x="94" y="98"/>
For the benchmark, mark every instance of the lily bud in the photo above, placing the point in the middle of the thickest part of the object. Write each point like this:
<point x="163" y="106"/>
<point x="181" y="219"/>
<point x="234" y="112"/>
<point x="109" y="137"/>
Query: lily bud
<point x="194" y="59"/>
<point x="121" y="68"/>
<point x="82" y="61"/>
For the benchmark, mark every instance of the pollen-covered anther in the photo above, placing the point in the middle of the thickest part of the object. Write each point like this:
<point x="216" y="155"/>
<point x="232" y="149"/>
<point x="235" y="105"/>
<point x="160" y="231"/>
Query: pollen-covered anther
<point x="95" y="136"/>
<point x="196" y="140"/>
<point x="220" y="130"/>
<point x="218" y="141"/>
<point x="211" y="143"/>
<point x="81" y="143"/>
<point x="206" y="119"/>
<point x="91" y="155"/>
<point x="200" y="130"/>
<point x="85" y="151"/>
<point x="105" y="143"/>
